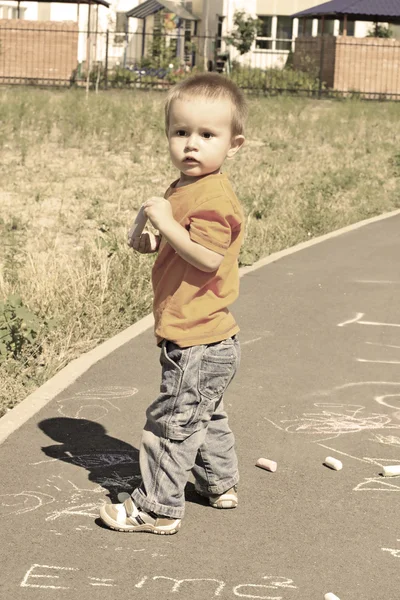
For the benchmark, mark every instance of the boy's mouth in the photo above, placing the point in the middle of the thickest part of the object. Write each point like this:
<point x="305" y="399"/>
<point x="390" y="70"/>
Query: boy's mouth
<point x="190" y="159"/>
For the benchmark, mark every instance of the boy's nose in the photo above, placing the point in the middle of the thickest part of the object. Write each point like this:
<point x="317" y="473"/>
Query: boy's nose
<point x="191" y="143"/>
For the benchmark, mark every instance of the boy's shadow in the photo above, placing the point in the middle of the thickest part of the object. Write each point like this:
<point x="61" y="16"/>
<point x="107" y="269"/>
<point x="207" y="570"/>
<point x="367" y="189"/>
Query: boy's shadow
<point x="111" y="463"/>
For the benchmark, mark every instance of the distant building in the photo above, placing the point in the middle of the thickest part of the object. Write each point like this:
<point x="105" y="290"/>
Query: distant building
<point x="211" y="19"/>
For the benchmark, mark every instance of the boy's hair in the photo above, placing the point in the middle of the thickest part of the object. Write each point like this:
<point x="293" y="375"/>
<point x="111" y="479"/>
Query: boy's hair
<point x="212" y="86"/>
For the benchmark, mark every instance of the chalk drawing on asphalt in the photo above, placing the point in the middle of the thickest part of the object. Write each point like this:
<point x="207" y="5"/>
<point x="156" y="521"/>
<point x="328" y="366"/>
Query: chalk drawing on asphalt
<point x="388" y="440"/>
<point x="334" y="420"/>
<point x="387" y="400"/>
<point x="358" y="320"/>
<point x="38" y="576"/>
<point x="382" y="345"/>
<point x="395" y="552"/>
<point x="31" y="574"/>
<point x="378" y="484"/>
<point x="378" y="362"/>
<point x="67" y="500"/>
<point x="95" y="403"/>
<point x="23" y="502"/>
<point x="110" y="458"/>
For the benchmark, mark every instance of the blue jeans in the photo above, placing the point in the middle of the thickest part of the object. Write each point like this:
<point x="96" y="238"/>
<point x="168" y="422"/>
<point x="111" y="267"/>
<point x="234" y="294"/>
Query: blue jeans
<point x="187" y="428"/>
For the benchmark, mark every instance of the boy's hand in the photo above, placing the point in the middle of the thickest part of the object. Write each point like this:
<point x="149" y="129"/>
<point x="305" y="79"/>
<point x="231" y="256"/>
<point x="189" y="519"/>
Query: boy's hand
<point x="147" y="243"/>
<point x="159" y="211"/>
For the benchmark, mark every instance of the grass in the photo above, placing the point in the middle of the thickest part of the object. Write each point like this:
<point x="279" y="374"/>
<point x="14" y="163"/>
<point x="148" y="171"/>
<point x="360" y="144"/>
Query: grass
<point x="74" y="172"/>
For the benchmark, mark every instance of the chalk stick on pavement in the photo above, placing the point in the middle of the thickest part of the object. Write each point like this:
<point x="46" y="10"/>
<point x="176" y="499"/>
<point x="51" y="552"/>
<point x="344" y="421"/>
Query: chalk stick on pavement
<point x="330" y="596"/>
<point x="268" y="465"/>
<point x="391" y="471"/>
<point x="333" y="463"/>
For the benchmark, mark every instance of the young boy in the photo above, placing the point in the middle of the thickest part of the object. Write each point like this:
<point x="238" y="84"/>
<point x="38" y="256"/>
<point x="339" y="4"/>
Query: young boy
<point x="195" y="278"/>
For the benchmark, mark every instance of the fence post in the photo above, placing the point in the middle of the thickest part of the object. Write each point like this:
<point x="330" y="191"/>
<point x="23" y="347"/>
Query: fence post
<point x="321" y="65"/>
<point x="106" y="63"/>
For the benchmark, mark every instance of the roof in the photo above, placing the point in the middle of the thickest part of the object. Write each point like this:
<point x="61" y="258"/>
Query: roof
<point x="152" y="6"/>
<point x="102" y="2"/>
<point x="382" y="10"/>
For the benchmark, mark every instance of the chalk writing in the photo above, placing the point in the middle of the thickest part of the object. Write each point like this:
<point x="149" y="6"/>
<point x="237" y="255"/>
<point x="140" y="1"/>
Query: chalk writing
<point x="31" y="574"/>
<point x="168" y="585"/>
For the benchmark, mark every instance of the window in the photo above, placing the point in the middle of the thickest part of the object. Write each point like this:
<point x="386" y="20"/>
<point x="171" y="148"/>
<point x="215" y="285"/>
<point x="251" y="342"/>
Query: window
<point x="219" y="32"/>
<point x="265" y="32"/>
<point x="305" y="27"/>
<point x="395" y="28"/>
<point x="284" y="31"/>
<point x="350" y="27"/>
<point x="11" y="12"/>
<point x="329" y="26"/>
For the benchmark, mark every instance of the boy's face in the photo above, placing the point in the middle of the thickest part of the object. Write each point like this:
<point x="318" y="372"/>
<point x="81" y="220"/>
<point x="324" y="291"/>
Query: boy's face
<point x="200" y="136"/>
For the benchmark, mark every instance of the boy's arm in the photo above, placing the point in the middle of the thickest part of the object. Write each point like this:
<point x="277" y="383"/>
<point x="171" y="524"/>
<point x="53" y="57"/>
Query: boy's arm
<point x="200" y="257"/>
<point x="159" y="211"/>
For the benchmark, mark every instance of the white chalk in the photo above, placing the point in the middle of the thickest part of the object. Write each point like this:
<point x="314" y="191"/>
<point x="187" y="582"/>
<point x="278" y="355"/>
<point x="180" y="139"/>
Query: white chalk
<point x="391" y="471"/>
<point x="330" y="596"/>
<point x="268" y="465"/>
<point x="333" y="463"/>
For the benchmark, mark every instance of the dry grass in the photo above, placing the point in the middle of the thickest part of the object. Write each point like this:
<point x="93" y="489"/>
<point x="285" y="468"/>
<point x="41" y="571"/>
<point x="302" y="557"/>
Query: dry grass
<point x="73" y="173"/>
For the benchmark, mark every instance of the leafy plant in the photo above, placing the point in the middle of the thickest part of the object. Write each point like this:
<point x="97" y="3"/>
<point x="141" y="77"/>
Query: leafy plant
<point x="380" y="31"/>
<point x="245" y="32"/>
<point x="18" y="327"/>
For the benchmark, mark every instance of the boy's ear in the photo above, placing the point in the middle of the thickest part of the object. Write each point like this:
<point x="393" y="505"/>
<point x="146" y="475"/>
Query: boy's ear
<point x="236" y="143"/>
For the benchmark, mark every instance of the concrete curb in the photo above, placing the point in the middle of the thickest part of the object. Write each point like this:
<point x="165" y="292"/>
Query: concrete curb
<point x="26" y="409"/>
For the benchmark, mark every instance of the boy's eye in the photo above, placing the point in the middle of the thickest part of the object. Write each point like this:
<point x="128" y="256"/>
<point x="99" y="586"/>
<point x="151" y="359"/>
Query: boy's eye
<point x="181" y="132"/>
<point x="207" y="135"/>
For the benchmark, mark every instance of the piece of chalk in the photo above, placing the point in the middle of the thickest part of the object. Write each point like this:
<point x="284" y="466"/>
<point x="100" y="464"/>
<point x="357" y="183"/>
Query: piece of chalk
<point x="268" y="465"/>
<point x="330" y="596"/>
<point x="391" y="471"/>
<point x="138" y="225"/>
<point x="333" y="463"/>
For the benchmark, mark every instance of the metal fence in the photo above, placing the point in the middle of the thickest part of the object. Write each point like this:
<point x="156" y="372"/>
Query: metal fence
<point x="58" y="54"/>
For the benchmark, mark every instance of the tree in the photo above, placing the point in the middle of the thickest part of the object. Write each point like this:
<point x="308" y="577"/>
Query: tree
<point x="245" y="32"/>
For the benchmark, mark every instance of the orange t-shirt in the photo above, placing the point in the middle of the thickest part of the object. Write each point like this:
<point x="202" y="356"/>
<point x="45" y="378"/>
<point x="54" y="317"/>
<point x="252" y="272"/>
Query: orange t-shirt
<point x="190" y="306"/>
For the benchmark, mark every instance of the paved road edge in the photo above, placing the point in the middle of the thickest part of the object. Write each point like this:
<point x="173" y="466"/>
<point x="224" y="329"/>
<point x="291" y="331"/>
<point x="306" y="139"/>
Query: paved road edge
<point x="28" y="407"/>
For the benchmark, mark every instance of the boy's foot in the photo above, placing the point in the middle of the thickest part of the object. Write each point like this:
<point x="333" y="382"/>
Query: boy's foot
<point x="128" y="517"/>
<point x="228" y="499"/>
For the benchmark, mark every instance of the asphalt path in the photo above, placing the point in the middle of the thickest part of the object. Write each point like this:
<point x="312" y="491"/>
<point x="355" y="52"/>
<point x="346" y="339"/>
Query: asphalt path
<point x="320" y="334"/>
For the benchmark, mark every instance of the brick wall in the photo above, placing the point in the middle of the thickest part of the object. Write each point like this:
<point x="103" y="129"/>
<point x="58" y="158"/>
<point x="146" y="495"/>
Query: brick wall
<point x="37" y="50"/>
<point x="364" y="65"/>
<point x="310" y="57"/>
<point x="369" y="65"/>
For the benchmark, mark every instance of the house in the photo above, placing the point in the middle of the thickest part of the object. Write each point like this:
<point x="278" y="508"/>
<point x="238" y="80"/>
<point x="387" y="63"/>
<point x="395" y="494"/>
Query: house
<point x="195" y="29"/>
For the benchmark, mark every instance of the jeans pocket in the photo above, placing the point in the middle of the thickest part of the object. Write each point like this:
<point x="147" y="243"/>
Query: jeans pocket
<point x="172" y="355"/>
<point x="217" y="369"/>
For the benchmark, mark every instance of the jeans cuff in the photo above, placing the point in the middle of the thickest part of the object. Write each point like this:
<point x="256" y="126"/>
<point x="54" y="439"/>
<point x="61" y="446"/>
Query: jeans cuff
<point x="221" y="487"/>
<point x="170" y="512"/>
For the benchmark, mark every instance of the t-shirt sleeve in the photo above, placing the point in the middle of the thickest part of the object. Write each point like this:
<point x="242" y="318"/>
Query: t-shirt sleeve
<point x="212" y="223"/>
